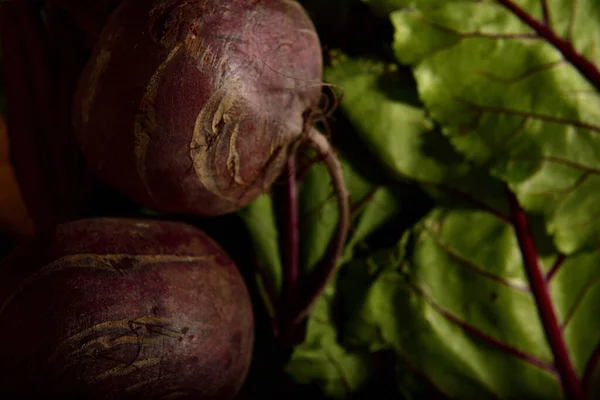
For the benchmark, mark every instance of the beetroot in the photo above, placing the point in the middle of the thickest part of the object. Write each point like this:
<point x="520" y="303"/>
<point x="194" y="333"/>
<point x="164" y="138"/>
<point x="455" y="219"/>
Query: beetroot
<point x="194" y="106"/>
<point x="123" y="308"/>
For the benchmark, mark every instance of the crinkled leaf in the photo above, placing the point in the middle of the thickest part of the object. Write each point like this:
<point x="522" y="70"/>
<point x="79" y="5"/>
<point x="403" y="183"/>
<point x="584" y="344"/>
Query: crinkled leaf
<point x="343" y="371"/>
<point x="372" y="206"/>
<point x="381" y="101"/>
<point x="437" y="317"/>
<point x="379" y="98"/>
<point x="512" y="103"/>
<point x="452" y="300"/>
<point x="323" y="361"/>
<point x="394" y="126"/>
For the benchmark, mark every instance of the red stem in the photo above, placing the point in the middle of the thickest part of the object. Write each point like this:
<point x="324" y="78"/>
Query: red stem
<point x="291" y="331"/>
<point x="325" y="268"/>
<point x="291" y="239"/>
<point x="571" y="384"/>
<point x="557" y="264"/>
<point x="546" y="13"/>
<point x="584" y="66"/>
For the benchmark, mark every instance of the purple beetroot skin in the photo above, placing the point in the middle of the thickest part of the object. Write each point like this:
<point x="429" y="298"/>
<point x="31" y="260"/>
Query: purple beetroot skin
<point x="122" y="308"/>
<point x="193" y="107"/>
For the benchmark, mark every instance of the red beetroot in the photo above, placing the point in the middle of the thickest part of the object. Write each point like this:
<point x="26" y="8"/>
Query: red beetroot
<point x="193" y="107"/>
<point x="123" y="308"/>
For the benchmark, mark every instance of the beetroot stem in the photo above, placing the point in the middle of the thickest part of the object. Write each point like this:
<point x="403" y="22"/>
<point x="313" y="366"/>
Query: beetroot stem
<point x="583" y="65"/>
<point x="291" y="239"/>
<point x="571" y="385"/>
<point x="325" y="269"/>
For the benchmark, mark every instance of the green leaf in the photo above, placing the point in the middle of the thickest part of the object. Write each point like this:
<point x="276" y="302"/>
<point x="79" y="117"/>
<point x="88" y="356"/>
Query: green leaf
<point x="380" y="100"/>
<point x="452" y="301"/>
<point x="344" y="372"/>
<point x="494" y="106"/>
<point x="512" y="104"/>
<point x="318" y="215"/>
<point x="323" y="361"/>
<point x="259" y="218"/>
<point x="372" y="206"/>
<point x="372" y="211"/>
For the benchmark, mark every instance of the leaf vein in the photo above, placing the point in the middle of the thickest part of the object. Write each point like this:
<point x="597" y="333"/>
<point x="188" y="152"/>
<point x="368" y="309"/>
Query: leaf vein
<point x="517" y="133"/>
<point x="590" y="368"/>
<point x="578" y="301"/>
<point x="546" y="13"/>
<point x="589" y="220"/>
<point x="573" y="164"/>
<point x="574" y="7"/>
<point x="526" y="74"/>
<point x="482" y="271"/>
<point x="528" y="358"/>
<point x="584" y="66"/>
<point x="340" y="372"/>
<point x="563" y="198"/>
<point x="469" y="198"/>
<point x="479" y="34"/>
<point x="543" y="117"/>
<point x="560" y="260"/>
